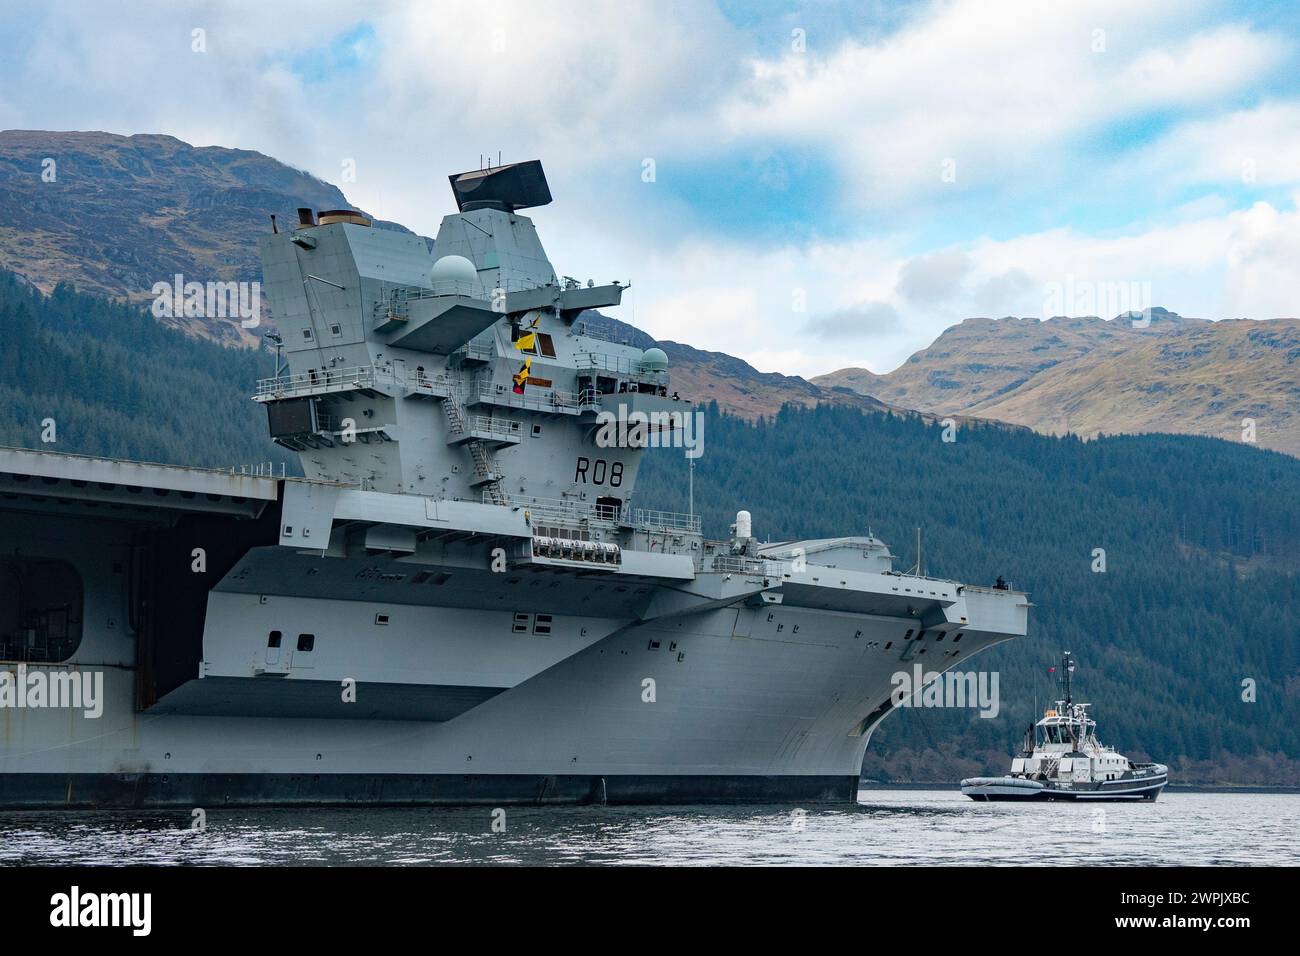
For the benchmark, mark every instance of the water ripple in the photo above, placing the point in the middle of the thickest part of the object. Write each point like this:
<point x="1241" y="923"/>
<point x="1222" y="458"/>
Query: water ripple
<point x="885" y="827"/>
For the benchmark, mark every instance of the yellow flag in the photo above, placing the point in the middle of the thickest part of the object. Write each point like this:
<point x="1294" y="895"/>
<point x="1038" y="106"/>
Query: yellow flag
<point x="521" y="376"/>
<point x="528" y="341"/>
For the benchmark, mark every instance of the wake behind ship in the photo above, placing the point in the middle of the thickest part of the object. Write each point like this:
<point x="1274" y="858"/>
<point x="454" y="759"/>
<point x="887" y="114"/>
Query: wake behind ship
<point x="462" y="601"/>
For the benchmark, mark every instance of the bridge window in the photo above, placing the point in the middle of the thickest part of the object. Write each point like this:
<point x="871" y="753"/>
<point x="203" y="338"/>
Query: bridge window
<point x="40" y="610"/>
<point x="543" y="344"/>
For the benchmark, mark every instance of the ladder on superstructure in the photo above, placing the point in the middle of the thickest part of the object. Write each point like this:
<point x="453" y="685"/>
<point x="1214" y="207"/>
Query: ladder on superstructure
<point x="485" y="466"/>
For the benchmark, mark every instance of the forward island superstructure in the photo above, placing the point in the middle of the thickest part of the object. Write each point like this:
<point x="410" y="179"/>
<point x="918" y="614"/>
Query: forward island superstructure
<point x="462" y="600"/>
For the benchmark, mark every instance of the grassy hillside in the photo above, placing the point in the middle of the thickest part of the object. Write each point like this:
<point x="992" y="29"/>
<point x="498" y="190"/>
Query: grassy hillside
<point x="1205" y="379"/>
<point x="121" y="213"/>
<point x="1087" y="376"/>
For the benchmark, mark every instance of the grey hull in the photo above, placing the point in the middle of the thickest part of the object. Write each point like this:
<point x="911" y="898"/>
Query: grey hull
<point x="393" y="688"/>
<point x="186" y="791"/>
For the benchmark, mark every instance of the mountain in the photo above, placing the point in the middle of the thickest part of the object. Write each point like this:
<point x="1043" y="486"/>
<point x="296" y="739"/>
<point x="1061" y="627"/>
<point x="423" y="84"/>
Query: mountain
<point x="1202" y="380"/>
<point x="125" y="212"/>
<point x="115" y="214"/>
<point x="981" y="359"/>
<point x="1160" y="372"/>
<point x="741" y="389"/>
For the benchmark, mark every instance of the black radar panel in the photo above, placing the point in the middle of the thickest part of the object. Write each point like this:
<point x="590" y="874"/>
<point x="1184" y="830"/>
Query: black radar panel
<point x="516" y="186"/>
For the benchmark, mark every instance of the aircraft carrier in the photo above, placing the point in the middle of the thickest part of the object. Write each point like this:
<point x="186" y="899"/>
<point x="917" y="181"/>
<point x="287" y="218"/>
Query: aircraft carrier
<point x="462" y="600"/>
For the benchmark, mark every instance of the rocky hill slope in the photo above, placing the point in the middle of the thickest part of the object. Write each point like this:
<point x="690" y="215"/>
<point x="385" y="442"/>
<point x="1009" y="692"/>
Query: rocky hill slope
<point x="1238" y="379"/>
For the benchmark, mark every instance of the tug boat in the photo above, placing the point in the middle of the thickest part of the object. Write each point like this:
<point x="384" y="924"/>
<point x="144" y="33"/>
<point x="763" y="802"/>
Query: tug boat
<point x="1061" y="759"/>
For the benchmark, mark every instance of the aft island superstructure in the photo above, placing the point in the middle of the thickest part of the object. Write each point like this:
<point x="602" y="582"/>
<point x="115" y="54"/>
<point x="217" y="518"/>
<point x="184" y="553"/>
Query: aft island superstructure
<point x="462" y="600"/>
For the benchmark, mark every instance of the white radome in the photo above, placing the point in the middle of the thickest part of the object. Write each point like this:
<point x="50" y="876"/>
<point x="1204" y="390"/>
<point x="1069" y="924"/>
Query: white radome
<point x="454" y="269"/>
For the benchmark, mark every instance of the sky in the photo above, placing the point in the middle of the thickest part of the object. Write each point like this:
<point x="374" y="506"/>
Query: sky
<point x="806" y="186"/>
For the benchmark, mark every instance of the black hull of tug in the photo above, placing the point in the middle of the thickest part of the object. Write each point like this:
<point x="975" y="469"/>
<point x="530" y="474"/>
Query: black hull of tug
<point x="1110" y="791"/>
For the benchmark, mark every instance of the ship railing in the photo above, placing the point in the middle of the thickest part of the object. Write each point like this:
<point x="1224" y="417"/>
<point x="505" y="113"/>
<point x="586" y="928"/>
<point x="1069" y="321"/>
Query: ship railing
<point x="644" y="519"/>
<point x="547" y="400"/>
<point x="609" y="335"/>
<point x="739" y="564"/>
<point x="981" y="588"/>
<point x="494" y="427"/>
<point x="475" y="351"/>
<point x="395" y="304"/>
<point x="422" y="383"/>
<point x="261" y="469"/>
<point x="620" y="365"/>
<point x="608" y="362"/>
<point x="574" y="512"/>
<point x="559" y="510"/>
<point x="912" y="576"/>
<point x="470" y="288"/>
<point x="466" y="287"/>
<point x="322" y="381"/>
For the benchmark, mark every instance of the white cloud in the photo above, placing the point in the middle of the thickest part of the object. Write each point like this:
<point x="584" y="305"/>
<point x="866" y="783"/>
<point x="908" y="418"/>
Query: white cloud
<point x="1012" y="91"/>
<point x="1242" y="263"/>
<point x="1205" y="66"/>
<point x="1263" y="263"/>
<point x="1257" y="146"/>
<point x="989" y="87"/>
